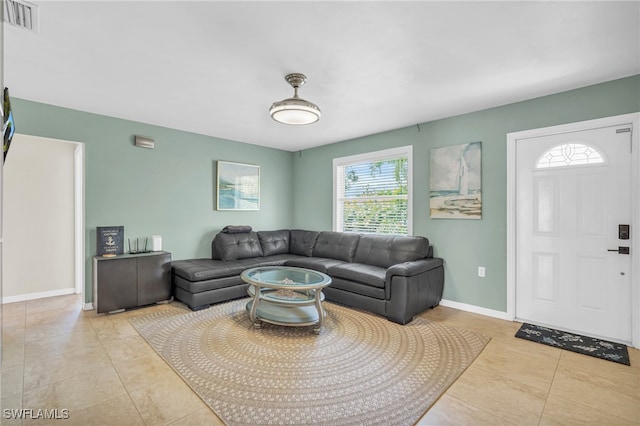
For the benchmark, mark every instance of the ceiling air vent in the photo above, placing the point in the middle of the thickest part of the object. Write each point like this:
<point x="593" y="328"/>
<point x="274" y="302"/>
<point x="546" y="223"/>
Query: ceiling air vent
<point x="21" y="14"/>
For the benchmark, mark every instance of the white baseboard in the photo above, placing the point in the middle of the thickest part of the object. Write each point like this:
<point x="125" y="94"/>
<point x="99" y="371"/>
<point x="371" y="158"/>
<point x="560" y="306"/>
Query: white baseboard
<point x="87" y="307"/>
<point x="39" y="295"/>
<point x="475" y="309"/>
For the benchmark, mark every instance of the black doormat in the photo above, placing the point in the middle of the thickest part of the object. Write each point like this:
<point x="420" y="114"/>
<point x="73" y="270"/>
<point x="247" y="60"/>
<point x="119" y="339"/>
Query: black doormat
<point x="598" y="348"/>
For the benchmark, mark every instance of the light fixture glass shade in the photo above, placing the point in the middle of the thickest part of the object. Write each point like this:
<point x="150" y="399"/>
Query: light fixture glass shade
<point x="295" y="111"/>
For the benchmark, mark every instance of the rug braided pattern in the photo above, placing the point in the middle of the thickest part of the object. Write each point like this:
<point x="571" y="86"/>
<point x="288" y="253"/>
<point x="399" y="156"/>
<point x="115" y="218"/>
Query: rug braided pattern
<point x="361" y="369"/>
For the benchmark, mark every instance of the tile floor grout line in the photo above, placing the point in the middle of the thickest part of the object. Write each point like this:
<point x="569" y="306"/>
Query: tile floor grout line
<point x="548" y="393"/>
<point x="135" y="406"/>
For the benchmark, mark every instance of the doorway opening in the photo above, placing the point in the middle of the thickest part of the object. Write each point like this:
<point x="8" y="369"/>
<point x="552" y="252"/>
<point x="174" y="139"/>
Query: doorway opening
<point x="44" y="219"/>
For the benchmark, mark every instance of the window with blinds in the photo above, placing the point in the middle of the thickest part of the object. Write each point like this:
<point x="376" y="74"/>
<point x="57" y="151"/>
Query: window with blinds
<point x="372" y="192"/>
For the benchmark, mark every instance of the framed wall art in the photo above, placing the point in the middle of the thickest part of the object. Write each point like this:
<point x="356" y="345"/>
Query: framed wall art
<point x="455" y="182"/>
<point x="109" y="240"/>
<point x="238" y="186"/>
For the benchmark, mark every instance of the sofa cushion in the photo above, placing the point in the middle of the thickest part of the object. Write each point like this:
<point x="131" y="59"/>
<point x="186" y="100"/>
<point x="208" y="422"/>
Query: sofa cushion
<point x="207" y="285"/>
<point x="274" y="242"/>
<point x="359" y="272"/>
<point x="237" y="246"/>
<point x="336" y="245"/>
<point x="339" y="284"/>
<point x="235" y="229"/>
<point x="387" y="250"/>
<point x="275" y="260"/>
<point x="206" y="269"/>
<point x="302" y="242"/>
<point x="320" y="264"/>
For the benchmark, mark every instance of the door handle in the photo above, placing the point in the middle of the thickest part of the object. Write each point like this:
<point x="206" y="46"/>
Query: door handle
<point x="621" y="250"/>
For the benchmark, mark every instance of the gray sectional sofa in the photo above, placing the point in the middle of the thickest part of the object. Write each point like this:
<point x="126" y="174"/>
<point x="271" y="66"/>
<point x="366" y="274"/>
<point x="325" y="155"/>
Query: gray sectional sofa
<point x="394" y="276"/>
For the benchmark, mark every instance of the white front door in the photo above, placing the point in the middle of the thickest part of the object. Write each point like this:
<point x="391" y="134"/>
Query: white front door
<point x="573" y="191"/>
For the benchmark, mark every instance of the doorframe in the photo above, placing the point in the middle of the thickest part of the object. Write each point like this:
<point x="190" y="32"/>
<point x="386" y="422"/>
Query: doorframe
<point x="78" y="208"/>
<point x="632" y="119"/>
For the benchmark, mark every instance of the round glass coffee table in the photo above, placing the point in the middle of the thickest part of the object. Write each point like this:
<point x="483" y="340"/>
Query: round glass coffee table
<point x="285" y="295"/>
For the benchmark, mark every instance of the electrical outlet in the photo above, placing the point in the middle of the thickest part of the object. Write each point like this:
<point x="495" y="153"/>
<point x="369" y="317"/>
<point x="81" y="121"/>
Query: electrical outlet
<point x="481" y="271"/>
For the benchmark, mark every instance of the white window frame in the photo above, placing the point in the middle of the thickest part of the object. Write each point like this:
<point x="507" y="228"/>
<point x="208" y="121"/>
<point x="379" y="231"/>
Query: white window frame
<point x="372" y="157"/>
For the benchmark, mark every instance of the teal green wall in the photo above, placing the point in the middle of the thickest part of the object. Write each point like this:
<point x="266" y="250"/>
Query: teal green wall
<point x="170" y="191"/>
<point x="464" y="244"/>
<point x="167" y="191"/>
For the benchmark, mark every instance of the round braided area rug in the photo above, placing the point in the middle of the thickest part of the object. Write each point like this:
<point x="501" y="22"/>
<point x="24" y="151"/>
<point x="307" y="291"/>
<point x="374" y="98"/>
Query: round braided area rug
<point x="361" y="369"/>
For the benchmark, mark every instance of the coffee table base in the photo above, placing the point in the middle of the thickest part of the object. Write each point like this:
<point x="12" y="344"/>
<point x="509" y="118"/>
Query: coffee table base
<point x="286" y="296"/>
<point x="287" y="315"/>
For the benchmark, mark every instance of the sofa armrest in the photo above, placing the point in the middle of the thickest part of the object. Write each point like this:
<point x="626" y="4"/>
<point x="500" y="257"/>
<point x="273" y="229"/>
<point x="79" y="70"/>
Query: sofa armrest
<point x="413" y="287"/>
<point x="409" y="269"/>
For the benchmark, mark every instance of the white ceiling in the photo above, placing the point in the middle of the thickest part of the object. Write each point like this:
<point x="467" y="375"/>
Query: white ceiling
<point x="214" y="68"/>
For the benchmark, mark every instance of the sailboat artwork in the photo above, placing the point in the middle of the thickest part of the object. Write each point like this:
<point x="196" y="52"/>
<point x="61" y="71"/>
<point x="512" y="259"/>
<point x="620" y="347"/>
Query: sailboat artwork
<point x="455" y="182"/>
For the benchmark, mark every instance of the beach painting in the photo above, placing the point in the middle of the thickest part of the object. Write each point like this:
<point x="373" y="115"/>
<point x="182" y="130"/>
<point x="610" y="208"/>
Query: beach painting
<point x="455" y="182"/>
<point x="238" y="186"/>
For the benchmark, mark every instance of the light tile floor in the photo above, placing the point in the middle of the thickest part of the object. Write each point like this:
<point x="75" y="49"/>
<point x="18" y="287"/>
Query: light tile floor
<point x="97" y="366"/>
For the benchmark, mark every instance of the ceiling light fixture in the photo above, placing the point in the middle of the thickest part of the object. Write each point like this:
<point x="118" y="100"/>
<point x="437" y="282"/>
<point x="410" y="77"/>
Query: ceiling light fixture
<point x="295" y="111"/>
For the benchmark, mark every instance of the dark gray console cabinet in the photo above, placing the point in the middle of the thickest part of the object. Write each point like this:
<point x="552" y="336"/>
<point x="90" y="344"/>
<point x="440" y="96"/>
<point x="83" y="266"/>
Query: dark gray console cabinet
<point x="131" y="280"/>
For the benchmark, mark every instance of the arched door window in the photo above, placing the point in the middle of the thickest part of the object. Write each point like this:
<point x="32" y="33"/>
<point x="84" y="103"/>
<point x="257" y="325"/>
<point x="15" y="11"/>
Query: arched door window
<point x="570" y="154"/>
